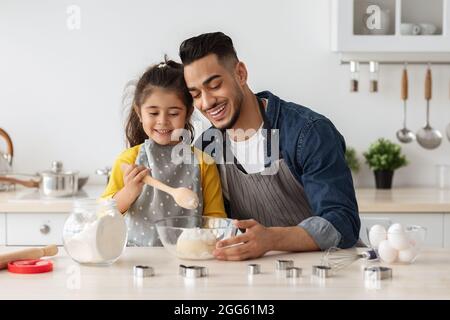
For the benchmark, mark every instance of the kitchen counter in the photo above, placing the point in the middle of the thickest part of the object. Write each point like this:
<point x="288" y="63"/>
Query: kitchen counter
<point x="427" y="278"/>
<point x="29" y="200"/>
<point x="406" y="200"/>
<point x="369" y="200"/>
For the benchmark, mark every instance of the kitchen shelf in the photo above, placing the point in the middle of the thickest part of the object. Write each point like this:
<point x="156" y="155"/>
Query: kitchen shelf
<point x="352" y="21"/>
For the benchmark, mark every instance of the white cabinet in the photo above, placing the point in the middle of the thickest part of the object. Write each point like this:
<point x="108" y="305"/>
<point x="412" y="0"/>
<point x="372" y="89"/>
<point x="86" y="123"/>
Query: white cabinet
<point x="433" y="222"/>
<point x="395" y="26"/>
<point x="29" y="229"/>
<point x="2" y="229"/>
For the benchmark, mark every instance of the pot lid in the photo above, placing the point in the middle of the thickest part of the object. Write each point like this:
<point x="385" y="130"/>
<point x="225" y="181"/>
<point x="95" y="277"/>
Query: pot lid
<point x="57" y="170"/>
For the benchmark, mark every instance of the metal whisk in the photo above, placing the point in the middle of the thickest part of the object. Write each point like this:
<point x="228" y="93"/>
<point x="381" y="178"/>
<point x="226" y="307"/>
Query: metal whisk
<point x="338" y="259"/>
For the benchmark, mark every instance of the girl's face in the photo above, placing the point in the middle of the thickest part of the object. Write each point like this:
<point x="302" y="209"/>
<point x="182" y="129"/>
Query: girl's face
<point x="161" y="113"/>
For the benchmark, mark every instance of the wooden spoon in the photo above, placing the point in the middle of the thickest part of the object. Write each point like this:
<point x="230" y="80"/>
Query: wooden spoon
<point x="32" y="253"/>
<point x="184" y="197"/>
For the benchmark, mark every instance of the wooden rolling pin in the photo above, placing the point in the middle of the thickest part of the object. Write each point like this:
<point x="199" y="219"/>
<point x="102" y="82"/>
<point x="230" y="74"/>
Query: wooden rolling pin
<point x="31" y="253"/>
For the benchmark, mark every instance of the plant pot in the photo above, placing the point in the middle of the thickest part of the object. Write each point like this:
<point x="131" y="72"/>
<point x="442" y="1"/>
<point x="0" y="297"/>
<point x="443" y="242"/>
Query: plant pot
<point x="383" y="179"/>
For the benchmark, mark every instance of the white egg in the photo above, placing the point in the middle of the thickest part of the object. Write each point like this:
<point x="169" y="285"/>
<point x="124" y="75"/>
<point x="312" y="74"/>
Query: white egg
<point x="407" y="255"/>
<point x="377" y="234"/>
<point x="397" y="237"/>
<point x="387" y="252"/>
<point x="395" y="228"/>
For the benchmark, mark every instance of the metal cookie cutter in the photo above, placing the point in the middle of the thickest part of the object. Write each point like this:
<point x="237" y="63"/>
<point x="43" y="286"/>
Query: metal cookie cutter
<point x="293" y="272"/>
<point x="193" y="271"/>
<point x="254" y="268"/>
<point x="143" y="271"/>
<point x="284" y="264"/>
<point x="321" y="271"/>
<point x="377" y="273"/>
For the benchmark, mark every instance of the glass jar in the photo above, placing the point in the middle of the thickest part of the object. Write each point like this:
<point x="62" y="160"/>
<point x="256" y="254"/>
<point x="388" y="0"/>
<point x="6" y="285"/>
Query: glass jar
<point x="95" y="232"/>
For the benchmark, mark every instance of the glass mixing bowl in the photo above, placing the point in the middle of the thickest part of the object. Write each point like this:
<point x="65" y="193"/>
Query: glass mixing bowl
<point x="399" y="244"/>
<point x="193" y="237"/>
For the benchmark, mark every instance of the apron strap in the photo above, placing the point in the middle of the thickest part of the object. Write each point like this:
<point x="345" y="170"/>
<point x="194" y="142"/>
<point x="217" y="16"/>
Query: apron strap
<point x="267" y="134"/>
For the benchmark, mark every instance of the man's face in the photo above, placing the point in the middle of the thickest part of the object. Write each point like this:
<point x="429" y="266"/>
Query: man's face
<point x="216" y="90"/>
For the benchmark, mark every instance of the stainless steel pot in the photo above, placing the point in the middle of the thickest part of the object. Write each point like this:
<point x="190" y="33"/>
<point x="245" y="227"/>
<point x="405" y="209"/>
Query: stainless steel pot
<point x="52" y="183"/>
<point x="58" y="183"/>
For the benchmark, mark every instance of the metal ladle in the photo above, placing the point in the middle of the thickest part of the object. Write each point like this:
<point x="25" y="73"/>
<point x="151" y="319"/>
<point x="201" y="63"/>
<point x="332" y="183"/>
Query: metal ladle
<point x="428" y="137"/>
<point x="405" y="135"/>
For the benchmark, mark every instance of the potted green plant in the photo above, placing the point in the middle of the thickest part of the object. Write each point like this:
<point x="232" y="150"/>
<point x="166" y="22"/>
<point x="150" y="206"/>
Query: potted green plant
<point x="352" y="159"/>
<point x="384" y="157"/>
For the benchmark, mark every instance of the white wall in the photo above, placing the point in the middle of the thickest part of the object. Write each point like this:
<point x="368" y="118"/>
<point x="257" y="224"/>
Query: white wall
<point x="60" y="90"/>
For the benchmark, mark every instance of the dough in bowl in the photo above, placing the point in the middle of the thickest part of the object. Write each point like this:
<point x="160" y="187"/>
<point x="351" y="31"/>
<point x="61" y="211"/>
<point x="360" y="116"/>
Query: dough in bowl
<point x="196" y="244"/>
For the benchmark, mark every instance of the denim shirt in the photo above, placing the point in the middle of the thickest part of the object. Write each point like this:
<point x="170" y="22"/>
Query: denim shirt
<point x="314" y="151"/>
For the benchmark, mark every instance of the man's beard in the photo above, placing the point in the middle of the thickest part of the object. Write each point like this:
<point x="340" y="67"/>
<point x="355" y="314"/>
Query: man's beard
<point x="238" y="103"/>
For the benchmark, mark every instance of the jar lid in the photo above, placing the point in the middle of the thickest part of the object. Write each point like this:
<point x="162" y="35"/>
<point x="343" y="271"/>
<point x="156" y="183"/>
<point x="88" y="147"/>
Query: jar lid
<point x="30" y="266"/>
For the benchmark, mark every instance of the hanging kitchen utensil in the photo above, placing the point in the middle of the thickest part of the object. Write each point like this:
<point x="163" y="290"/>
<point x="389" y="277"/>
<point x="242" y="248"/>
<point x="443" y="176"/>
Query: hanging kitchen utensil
<point x="428" y="137"/>
<point x="6" y="158"/>
<point x="405" y="135"/>
<point x="354" y="76"/>
<point x="373" y="69"/>
<point x="52" y="183"/>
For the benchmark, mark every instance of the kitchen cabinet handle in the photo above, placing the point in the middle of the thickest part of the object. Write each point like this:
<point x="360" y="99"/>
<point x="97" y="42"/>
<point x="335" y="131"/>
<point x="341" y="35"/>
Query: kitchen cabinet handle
<point x="45" y="229"/>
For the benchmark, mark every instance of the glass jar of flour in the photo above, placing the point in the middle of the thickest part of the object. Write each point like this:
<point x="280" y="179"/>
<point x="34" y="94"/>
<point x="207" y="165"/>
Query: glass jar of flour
<point x="95" y="232"/>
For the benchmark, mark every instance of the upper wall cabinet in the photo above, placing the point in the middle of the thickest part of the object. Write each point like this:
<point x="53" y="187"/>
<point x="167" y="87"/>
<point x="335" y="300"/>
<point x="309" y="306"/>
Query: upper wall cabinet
<point x="390" y="26"/>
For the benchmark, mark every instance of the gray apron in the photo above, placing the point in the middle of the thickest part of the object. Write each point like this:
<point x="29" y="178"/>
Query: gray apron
<point x="272" y="198"/>
<point x="153" y="204"/>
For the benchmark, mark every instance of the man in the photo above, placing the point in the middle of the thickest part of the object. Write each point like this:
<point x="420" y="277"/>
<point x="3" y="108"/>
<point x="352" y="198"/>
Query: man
<point x="309" y="202"/>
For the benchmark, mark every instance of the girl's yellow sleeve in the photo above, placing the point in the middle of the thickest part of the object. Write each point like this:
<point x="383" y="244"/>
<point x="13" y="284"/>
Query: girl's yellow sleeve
<point x="212" y="188"/>
<point x="116" y="178"/>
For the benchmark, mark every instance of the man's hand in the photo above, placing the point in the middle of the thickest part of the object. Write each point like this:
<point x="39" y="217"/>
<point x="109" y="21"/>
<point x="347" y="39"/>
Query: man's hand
<point x="255" y="242"/>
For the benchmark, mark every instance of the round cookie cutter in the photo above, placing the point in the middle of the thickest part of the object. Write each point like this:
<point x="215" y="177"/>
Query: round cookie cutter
<point x="321" y="271"/>
<point x="254" y="268"/>
<point x="193" y="271"/>
<point x="377" y="273"/>
<point x="293" y="272"/>
<point x="143" y="271"/>
<point x="284" y="264"/>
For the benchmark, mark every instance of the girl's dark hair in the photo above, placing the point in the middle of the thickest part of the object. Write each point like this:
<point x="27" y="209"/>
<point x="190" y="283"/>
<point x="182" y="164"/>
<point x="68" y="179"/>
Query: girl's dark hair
<point x="166" y="75"/>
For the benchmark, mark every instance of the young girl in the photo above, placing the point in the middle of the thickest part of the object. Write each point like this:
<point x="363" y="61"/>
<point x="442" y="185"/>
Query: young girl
<point x="161" y="104"/>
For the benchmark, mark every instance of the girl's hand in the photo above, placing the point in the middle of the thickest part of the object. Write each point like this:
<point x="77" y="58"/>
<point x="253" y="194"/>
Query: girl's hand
<point x="133" y="176"/>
